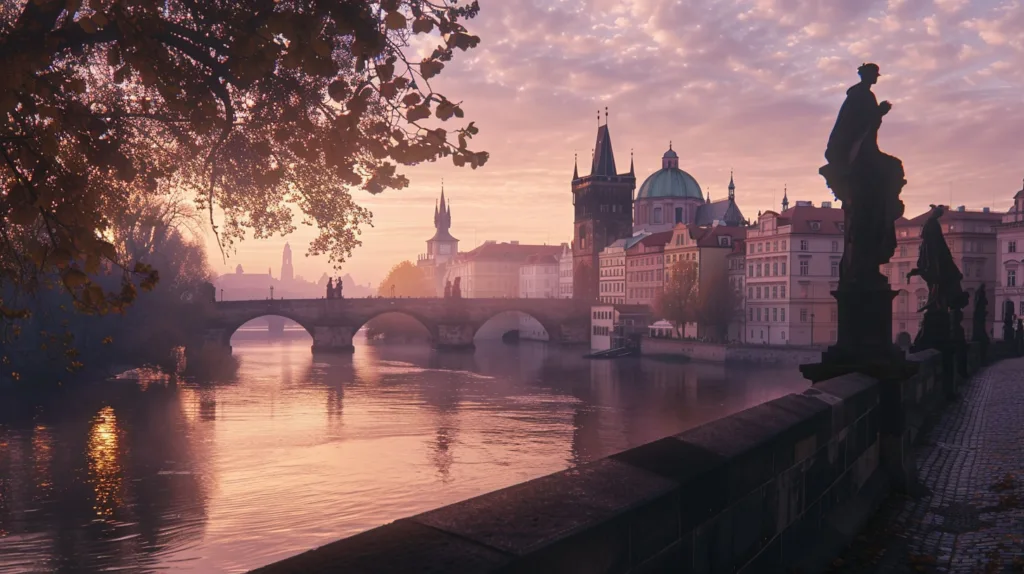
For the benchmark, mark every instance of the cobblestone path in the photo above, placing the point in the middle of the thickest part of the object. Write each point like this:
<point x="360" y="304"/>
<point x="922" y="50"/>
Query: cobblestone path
<point x="969" y="515"/>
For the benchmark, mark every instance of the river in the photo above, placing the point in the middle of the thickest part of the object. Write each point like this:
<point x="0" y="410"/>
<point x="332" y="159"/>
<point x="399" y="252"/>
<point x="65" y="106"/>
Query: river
<point x="294" y="451"/>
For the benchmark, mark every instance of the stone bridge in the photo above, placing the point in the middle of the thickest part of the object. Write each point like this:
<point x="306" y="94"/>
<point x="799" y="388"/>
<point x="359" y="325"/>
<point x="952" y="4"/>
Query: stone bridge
<point x="452" y="323"/>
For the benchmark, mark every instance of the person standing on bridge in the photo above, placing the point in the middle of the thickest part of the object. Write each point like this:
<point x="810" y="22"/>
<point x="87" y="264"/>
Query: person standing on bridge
<point x="330" y="288"/>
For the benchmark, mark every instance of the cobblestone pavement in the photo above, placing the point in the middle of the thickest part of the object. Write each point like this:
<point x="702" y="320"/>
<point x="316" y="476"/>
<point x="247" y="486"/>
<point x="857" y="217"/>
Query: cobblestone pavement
<point x="969" y="517"/>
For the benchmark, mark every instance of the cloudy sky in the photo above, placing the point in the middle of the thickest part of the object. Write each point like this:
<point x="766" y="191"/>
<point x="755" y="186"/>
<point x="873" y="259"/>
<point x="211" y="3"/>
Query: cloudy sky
<point x="747" y="85"/>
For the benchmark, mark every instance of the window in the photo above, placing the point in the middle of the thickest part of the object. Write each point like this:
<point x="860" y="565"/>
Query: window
<point x="758" y="269"/>
<point x="679" y="215"/>
<point x="803" y="245"/>
<point x="750" y="269"/>
<point x="888" y="271"/>
<point x="750" y="292"/>
<point x="760" y="247"/>
<point x="783" y="333"/>
<point x="815" y="225"/>
<point x="783" y="267"/>
<point x="775" y="269"/>
<point x="782" y="291"/>
<point x="775" y="313"/>
<point x="775" y="292"/>
<point x="751" y="318"/>
<point x="903" y="250"/>
<point x="803" y="315"/>
<point x="1011" y="277"/>
<point x="1011" y="246"/>
<point x="759" y="314"/>
<point x="758" y="292"/>
<point x="750" y="248"/>
<point x="783" y="244"/>
<point x="804" y="267"/>
<point x="1021" y="309"/>
<point x="835" y="269"/>
<point x="835" y="247"/>
<point x="775" y="246"/>
<point x="782" y="317"/>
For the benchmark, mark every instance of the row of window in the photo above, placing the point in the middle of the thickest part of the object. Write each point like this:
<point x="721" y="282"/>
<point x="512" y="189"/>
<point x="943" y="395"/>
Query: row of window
<point x="640" y="276"/>
<point x="602" y="314"/>
<point x="676" y="257"/>
<point x="616" y="272"/>
<point x="599" y="330"/>
<point x="644" y="293"/>
<point x="612" y="286"/>
<point x="779" y="314"/>
<point x="777" y="292"/>
<point x="653" y="260"/>
<point x="609" y="262"/>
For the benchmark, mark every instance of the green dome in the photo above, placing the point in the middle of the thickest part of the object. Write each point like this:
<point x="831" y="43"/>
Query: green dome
<point x="670" y="182"/>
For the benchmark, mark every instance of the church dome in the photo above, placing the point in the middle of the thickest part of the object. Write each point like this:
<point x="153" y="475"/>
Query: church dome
<point x="670" y="182"/>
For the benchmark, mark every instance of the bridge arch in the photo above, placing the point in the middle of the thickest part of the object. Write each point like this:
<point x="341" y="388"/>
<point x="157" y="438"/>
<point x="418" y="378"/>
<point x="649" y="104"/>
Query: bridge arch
<point x="430" y="327"/>
<point x="551" y="327"/>
<point x="231" y="328"/>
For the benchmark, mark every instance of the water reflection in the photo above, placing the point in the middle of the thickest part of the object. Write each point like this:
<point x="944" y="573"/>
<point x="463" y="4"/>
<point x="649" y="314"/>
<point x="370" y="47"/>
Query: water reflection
<point x="104" y="467"/>
<point x="293" y="451"/>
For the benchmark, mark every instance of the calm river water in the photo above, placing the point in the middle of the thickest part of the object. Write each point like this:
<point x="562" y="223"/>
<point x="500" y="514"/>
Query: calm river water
<point x="296" y="451"/>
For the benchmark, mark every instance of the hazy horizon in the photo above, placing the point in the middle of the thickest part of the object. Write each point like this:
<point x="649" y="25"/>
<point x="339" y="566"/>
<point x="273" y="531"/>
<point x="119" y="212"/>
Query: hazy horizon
<point x="748" y="85"/>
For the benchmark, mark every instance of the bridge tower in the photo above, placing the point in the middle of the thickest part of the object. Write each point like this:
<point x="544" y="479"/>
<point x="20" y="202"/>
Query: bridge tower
<point x="287" y="271"/>
<point x="603" y="212"/>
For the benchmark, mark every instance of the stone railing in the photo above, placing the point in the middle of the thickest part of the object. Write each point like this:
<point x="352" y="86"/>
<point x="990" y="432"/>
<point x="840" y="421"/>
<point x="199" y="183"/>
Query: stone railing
<point x="785" y="484"/>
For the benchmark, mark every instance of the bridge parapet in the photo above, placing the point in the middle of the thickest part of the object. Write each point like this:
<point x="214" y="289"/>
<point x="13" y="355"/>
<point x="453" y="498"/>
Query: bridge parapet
<point x="451" y="322"/>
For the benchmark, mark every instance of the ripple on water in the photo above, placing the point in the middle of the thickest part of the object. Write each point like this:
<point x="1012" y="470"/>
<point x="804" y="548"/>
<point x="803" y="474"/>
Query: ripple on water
<point x="294" y="452"/>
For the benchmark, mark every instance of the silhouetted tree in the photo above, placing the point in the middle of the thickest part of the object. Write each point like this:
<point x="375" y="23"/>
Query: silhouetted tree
<point x="678" y="302"/>
<point x="255" y="108"/>
<point x="716" y="307"/>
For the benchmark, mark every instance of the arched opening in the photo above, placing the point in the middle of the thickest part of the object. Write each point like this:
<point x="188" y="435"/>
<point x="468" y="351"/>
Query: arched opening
<point x="511" y="326"/>
<point x="270" y="328"/>
<point x="394" y="328"/>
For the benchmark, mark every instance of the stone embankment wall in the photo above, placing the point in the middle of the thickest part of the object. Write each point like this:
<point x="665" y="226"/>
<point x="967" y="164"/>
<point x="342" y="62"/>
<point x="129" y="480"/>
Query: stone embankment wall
<point x="786" y="484"/>
<point x="716" y="353"/>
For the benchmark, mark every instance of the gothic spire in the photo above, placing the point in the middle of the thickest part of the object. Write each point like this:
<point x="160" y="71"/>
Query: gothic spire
<point x="785" y="198"/>
<point x="732" y="187"/>
<point x="604" y="159"/>
<point x="575" y="169"/>
<point x="631" y="172"/>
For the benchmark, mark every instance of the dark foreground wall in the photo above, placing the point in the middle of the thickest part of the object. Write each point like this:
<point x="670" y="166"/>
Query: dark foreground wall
<point x="784" y="484"/>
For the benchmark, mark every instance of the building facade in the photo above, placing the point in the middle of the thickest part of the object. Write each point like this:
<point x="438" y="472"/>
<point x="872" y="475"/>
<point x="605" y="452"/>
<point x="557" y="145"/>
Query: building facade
<point x="602" y="213"/>
<point x="538" y="277"/>
<point x="707" y="247"/>
<point x="1009" y="286"/>
<point x="492" y="270"/>
<point x="792" y="261"/>
<point x="735" y="262"/>
<point x="645" y="269"/>
<point x="442" y="248"/>
<point x="611" y="270"/>
<point x="565" y="272"/>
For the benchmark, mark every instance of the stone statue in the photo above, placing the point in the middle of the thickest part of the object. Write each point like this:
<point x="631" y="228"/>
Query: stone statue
<point x="979" y="324"/>
<point x="339" y="289"/>
<point x="448" y="289"/>
<point x="330" y="288"/>
<point x="867" y="181"/>
<point x="936" y="266"/>
<point x="457" y="288"/>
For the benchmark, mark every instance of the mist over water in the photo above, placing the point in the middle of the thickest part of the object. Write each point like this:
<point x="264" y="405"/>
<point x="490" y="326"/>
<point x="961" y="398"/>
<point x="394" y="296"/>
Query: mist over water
<point x="296" y="451"/>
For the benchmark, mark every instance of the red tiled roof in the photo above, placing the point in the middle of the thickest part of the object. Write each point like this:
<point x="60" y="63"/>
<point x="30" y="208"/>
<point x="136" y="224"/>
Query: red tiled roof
<point x="654" y="240"/>
<point x="710" y="237"/>
<point x="801" y="216"/>
<point x="541" y="259"/>
<point x="510" y="252"/>
<point x="953" y="215"/>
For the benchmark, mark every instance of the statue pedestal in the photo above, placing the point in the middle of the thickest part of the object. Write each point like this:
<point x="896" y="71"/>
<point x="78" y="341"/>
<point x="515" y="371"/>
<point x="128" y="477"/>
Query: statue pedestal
<point x="864" y="343"/>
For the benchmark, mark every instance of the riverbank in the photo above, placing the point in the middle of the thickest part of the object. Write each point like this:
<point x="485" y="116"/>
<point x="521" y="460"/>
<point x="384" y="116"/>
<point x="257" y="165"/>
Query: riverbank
<point x="732" y="353"/>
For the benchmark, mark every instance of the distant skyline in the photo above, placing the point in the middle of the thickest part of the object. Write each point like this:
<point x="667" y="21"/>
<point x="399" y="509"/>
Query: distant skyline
<point x="748" y="85"/>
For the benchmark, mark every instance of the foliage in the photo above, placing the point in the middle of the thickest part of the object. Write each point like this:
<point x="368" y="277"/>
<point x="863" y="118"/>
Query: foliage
<point x="254" y="108"/>
<point x="408" y="281"/>
<point x="717" y="306"/>
<point x="166" y="317"/>
<point x="678" y="302"/>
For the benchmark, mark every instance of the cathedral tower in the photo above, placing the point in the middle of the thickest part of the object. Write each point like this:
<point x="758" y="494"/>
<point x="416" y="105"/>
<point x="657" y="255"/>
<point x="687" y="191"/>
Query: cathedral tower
<point x="287" y="272"/>
<point x="603" y="212"/>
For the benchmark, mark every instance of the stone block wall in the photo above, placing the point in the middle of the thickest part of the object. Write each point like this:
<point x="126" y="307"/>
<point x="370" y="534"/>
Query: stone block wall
<point x="716" y="353"/>
<point x="785" y="484"/>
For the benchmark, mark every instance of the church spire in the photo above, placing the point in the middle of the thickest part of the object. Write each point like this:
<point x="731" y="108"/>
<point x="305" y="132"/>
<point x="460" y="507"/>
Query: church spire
<point x="732" y="187"/>
<point x="785" y="198"/>
<point x="442" y="213"/>
<point x="604" y="159"/>
<point x="631" y="172"/>
<point x="575" y="168"/>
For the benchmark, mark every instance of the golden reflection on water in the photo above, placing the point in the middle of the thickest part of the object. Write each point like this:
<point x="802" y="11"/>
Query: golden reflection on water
<point x="104" y="462"/>
<point x="42" y="454"/>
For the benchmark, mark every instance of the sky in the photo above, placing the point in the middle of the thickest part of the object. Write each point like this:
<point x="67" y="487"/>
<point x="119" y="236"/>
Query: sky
<point x="751" y="86"/>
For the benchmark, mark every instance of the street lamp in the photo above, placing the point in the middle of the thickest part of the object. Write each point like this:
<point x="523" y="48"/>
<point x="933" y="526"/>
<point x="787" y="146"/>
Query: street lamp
<point x="222" y="295"/>
<point x="812" y="328"/>
<point x="271" y="292"/>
